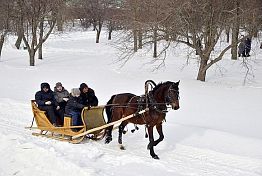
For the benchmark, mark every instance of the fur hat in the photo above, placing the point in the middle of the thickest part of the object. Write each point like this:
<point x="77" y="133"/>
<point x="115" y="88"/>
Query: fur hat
<point x="58" y="84"/>
<point x="82" y="86"/>
<point x="75" y="92"/>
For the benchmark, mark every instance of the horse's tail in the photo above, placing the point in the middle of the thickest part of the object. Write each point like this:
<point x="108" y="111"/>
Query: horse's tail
<point x="109" y="109"/>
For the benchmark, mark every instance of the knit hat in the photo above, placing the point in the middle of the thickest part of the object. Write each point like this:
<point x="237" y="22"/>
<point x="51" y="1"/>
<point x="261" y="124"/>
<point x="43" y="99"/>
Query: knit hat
<point x="75" y="92"/>
<point x="58" y="84"/>
<point x="82" y="86"/>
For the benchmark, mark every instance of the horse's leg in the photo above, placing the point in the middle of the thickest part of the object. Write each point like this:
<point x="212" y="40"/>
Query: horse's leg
<point x="160" y="132"/>
<point x="121" y="129"/>
<point x="110" y="114"/>
<point x="108" y="135"/>
<point x="150" y="146"/>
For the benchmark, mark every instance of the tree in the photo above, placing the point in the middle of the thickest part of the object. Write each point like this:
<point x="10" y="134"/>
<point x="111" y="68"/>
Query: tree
<point x="36" y="14"/>
<point x="94" y="12"/>
<point x="235" y="29"/>
<point x="5" y="20"/>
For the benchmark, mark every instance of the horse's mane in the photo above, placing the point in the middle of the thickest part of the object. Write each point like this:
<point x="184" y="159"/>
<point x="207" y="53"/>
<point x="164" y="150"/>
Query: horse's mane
<point x="161" y="84"/>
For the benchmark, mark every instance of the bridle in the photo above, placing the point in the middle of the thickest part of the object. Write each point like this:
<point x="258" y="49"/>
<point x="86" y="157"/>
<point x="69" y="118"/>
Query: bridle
<point x="169" y="96"/>
<point x="168" y="100"/>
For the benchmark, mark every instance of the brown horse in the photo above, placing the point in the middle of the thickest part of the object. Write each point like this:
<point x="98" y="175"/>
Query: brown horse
<point x="157" y="101"/>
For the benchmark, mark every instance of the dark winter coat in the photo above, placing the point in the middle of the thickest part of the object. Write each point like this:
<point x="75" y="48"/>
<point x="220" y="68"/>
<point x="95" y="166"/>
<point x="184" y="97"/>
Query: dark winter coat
<point x="89" y="98"/>
<point x="41" y="96"/>
<point x="73" y="105"/>
<point x="241" y="48"/>
<point x="248" y="43"/>
<point x="59" y="95"/>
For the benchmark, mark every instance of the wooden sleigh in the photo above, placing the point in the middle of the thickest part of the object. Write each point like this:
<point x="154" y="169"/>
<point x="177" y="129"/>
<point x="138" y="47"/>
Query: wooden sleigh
<point x="94" y="125"/>
<point x="91" y="118"/>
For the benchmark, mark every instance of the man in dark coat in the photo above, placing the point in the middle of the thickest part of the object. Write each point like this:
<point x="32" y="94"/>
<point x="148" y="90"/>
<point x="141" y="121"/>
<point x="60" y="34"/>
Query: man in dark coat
<point x="87" y="95"/>
<point x="247" y="46"/>
<point x="46" y="102"/>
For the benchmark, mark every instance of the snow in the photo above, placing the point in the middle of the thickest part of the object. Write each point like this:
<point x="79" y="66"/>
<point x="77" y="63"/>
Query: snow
<point x="216" y="132"/>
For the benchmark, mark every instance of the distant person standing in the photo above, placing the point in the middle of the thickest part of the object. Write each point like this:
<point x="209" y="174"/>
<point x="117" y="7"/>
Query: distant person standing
<point x="241" y="49"/>
<point x="46" y="102"/>
<point x="247" y="46"/>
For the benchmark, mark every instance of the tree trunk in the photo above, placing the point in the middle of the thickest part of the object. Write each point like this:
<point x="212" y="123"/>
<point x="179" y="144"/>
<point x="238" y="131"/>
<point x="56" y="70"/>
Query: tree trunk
<point x="19" y="40"/>
<point x="94" y="26"/>
<point x="20" y="32"/>
<point x="140" y="42"/>
<point x="2" y="39"/>
<point x="135" y="40"/>
<point x="98" y="32"/>
<point x="155" y="43"/>
<point x="40" y="50"/>
<point x="234" y="43"/>
<point x="32" y="57"/>
<point x="227" y="34"/>
<point x="110" y="35"/>
<point x="110" y="28"/>
<point x="202" y="70"/>
<point x="98" y="36"/>
<point x="235" y="32"/>
<point x="59" y="21"/>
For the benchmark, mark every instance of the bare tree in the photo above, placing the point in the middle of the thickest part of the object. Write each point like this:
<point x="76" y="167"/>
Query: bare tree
<point x="5" y="20"/>
<point x="235" y="29"/>
<point x="37" y="13"/>
<point x="94" y="12"/>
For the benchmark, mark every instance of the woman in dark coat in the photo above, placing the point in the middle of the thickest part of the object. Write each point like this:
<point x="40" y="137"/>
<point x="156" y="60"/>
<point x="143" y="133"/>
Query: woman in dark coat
<point x="46" y="102"/>
<point x="74" y="107"/>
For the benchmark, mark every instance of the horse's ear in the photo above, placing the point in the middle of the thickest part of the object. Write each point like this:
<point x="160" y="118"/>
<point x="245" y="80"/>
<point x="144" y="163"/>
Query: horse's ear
<point x="178" y="82"/>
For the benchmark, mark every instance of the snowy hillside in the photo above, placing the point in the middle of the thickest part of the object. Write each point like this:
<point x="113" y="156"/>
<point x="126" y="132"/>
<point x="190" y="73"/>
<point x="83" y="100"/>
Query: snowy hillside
<point x="216" y="132"/>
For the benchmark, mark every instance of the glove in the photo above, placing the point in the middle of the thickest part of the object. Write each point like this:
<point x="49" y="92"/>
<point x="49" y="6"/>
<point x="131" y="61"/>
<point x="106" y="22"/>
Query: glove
<point x="58" y="107"/>
<point x="48" y="103"/>
<point x="88" y="107"/>
<point x="65" y="99"/>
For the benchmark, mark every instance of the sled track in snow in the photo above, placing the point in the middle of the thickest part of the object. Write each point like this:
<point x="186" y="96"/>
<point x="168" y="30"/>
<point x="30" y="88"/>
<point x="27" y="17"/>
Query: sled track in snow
<point x="187" y="160"/>
<point x="207" y="162"/>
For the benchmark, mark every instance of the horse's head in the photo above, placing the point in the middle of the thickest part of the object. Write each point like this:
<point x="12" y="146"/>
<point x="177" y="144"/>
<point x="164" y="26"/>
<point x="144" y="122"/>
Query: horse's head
<point x="172" y="95"/>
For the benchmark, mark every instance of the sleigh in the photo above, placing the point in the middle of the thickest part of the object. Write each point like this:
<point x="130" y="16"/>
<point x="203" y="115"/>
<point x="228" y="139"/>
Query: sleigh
<point x="93" y="127"/>
<point x="91" y="119"/>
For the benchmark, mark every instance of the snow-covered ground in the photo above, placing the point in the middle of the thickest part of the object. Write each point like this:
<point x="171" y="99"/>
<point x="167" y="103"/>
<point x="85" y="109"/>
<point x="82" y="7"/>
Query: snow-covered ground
<point x="216" y="132"/>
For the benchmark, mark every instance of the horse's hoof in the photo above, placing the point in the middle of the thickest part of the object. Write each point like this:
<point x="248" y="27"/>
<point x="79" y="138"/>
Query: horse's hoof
<point x="149" y="146"/>
<point x="155" y="157"/>
<point x="108" y="140"/>
<point x="122" y="147"/>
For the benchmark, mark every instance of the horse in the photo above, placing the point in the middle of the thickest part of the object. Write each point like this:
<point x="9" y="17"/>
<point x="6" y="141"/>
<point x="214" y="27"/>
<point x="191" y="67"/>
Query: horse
<point x="157" y="101"/>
